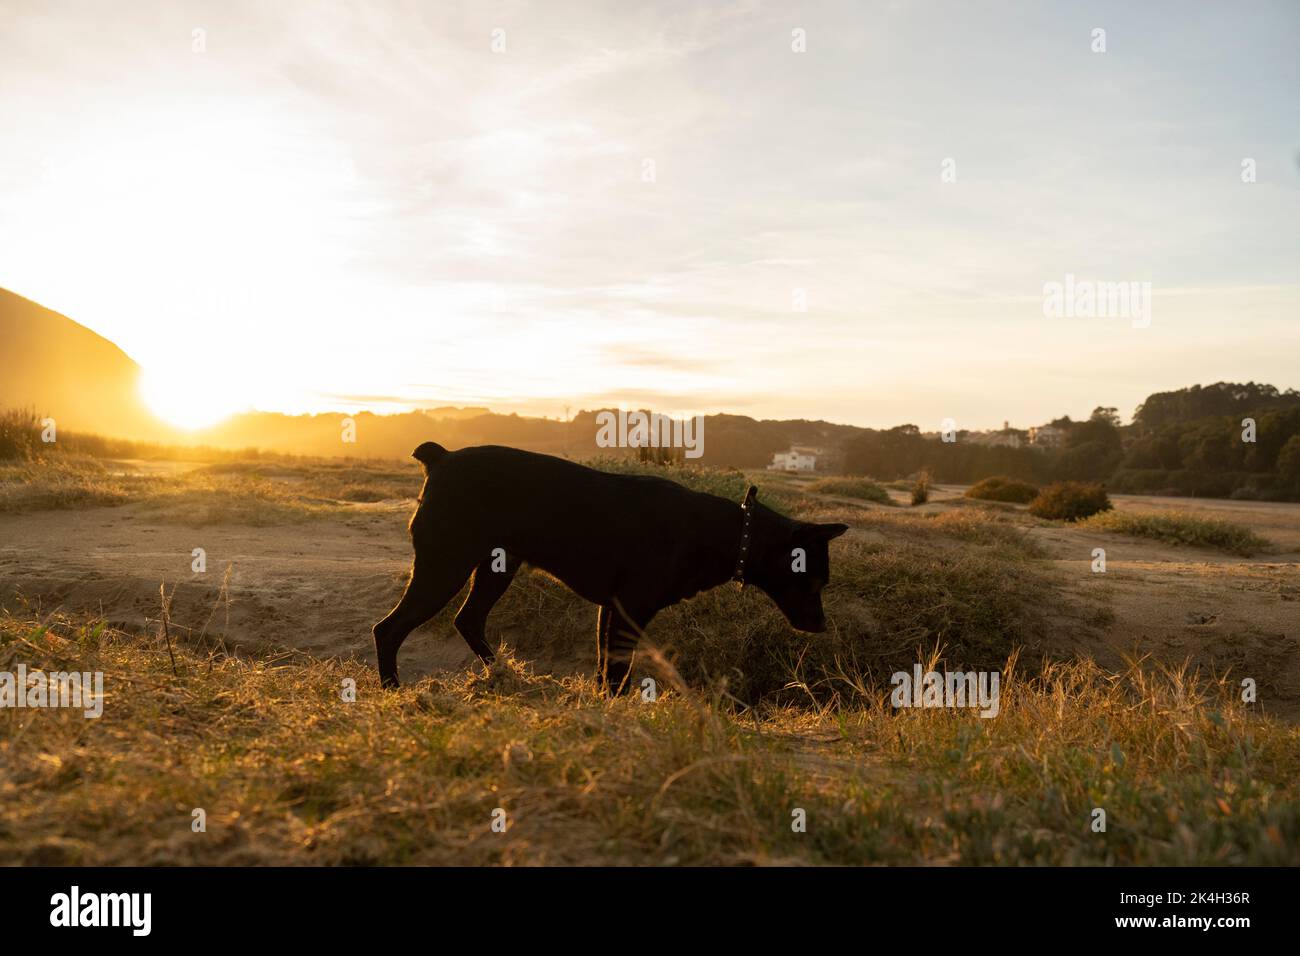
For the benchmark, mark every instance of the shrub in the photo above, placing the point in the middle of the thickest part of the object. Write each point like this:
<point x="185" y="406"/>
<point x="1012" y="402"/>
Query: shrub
<point x="20" y="434"/>
<point x="1001" y="488"/>
<point x="863" y="488"/>
<point x="921" y="490"/>
<point x="1178" y="527"/>
<point x="1070" y="501"/>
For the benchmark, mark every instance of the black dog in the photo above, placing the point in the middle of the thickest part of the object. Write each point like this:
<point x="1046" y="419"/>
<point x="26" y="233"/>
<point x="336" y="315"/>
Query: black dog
<point x="631" y="544"/>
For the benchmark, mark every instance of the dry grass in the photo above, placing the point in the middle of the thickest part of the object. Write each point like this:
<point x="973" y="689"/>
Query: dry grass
<point x="251" y="493"/>
<point x="1179" y="527"/>
<point x="863" y="488"/>
<point x="753" y="721"/>
<point x="264" y="493"/>
<point x="37" y="485"/>
<point x="888" y="603"/>
<point x="987" y="527"/>
<point x="289" y="772"/>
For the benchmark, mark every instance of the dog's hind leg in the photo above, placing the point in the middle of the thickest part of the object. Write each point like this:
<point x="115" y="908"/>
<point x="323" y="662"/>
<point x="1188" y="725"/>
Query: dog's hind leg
<point x="604" y="617"/>
<point x="491" y="579"/>
<point x="432" y="585"/>
<point x="618" y="629"/>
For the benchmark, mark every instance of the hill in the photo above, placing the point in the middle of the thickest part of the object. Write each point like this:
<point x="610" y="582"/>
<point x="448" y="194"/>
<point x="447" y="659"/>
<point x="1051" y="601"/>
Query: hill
<point x="65" y="371"/>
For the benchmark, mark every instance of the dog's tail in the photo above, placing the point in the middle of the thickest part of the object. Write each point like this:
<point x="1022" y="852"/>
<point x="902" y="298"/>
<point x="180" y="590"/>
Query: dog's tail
<point x="428" y="454"/>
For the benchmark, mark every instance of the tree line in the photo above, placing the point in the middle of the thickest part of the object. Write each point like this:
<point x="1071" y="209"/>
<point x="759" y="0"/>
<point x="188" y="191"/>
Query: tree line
<point x="1222" y="440"/>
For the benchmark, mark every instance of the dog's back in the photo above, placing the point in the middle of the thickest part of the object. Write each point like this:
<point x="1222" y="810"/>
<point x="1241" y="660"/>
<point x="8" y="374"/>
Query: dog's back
<point x="590" y="529"/>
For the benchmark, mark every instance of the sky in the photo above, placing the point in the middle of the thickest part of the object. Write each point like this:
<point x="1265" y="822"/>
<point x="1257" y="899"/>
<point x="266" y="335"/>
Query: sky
<point x="846" y="211"/>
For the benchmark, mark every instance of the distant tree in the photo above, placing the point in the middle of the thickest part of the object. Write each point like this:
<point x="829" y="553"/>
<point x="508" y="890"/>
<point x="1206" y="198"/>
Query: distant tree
<point x="1288" y="461"/>
<point x="1107" y="414"/>
<point x="1095" y="431"/>
<point x="1089" y="461"/>
<point x="1198" y="402"/>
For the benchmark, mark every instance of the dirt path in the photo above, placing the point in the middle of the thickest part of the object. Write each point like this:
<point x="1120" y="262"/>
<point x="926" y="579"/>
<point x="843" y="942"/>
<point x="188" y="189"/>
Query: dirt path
<point x="1217" y="610"/>
<point x="317" y="585"/>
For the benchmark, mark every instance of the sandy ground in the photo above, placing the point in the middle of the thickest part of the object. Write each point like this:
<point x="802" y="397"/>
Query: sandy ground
<point x="1177" y="603"/>
<point x="319" y="586"/>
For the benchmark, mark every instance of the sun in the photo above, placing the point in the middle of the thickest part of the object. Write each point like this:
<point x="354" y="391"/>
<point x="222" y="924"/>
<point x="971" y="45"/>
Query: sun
<point x="199" y="237"/>
<point x="186" y="400"/>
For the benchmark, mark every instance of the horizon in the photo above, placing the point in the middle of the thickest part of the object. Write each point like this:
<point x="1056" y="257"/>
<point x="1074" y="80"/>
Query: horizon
<point x="572" y="414"/>
<point x="673" y="209"/>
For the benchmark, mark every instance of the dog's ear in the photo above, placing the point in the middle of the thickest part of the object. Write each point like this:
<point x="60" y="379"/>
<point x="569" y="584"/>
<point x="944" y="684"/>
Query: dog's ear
<point x="750" y="496"/>
<point x="428" y="453"/>
<point x="830" y="531"/>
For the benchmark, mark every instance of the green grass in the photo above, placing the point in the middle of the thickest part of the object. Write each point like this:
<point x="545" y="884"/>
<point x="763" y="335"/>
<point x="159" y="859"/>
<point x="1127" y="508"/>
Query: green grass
<point x="1179" y="527"/>
<point x="863" y="488"/>
<point x="288" y="772"/>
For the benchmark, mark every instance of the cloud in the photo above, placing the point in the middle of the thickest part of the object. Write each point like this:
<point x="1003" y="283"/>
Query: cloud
<point x="390" y="201"/>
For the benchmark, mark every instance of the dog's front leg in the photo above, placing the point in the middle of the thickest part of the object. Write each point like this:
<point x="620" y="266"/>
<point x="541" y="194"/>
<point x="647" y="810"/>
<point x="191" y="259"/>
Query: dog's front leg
<point x="618" y="631"/>
<point x="431" y="586"/>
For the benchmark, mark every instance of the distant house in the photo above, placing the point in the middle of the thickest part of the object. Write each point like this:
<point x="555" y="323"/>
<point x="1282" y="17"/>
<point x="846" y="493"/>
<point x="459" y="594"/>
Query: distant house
<point x="1046" y="436"/>
<point x="1006" y="437"/>
<point x="798" y="458"/>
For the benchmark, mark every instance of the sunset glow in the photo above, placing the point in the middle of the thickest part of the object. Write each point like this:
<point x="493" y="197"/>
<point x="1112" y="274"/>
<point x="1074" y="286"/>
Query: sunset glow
<point x="180" y="400"/>
<point x="583" y="217"/>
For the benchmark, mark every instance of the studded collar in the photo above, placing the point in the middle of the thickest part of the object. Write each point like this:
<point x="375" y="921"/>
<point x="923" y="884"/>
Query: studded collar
<point x="747" y="513"/>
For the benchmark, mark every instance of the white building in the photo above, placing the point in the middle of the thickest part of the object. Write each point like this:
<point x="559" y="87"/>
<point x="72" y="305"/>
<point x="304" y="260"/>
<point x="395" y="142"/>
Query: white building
<point x="797" y="458"/>
<point x="1046" y="436"/>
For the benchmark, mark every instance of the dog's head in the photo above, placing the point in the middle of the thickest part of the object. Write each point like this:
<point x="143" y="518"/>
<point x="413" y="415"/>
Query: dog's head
<point x="790" y="562"/>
